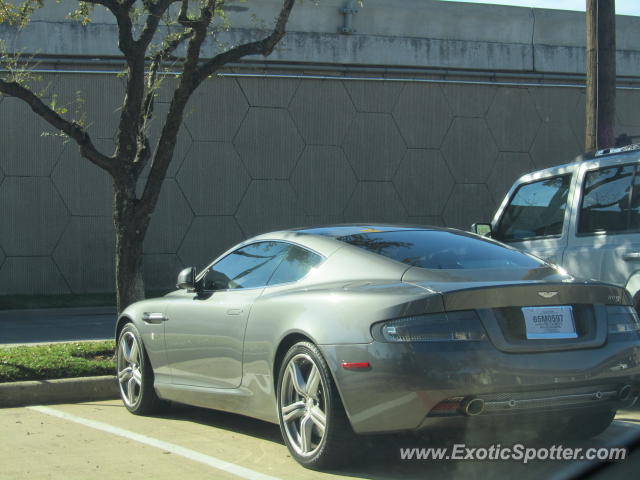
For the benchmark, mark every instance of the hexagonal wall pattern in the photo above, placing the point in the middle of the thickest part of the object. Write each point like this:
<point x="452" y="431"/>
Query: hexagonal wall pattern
<point x="469" y="150"/>
<point x="33" y="216"/>
<point x="85" y="254"/>
<point x="469" y="100"/>
<point x="577" y="120"/>
<point x="555" y="104"/>
<point x="269" y="143"/>
<point x="183" y="142"/>
<point x="169" y="221"/>
<point x="322" y="111"/>
<point x="213" y="178"/>
<point x="423" y="115"/>
<point x="374" y="96"/>
<point x="96" y="99"/>
<point x="628" y="108"/>
<point x="374" y="146"/>
<point x="85" y="188"/>
<point x="160" y="271"/>
<point x="428" y="220"/>
<point x="467" y="204"/>
<point x="269" y="92"/>
<point x="28" y="146"/>
<point x="269" y="205"/>
<point x="207" y="238"/>
<point x="554" y="145"/>
<point x="216" y="110"/>
<point x="31" y="276"/>
<point x="423" y="182"/>
<point x="375" y="202"/>
<point x="509" y="167"/>
<point x="513" y="119"/>
<point x="323" y="169"/>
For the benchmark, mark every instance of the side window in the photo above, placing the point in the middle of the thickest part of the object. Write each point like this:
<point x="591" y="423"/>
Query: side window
<point x="248" y="267"/>
<point x="610" y="200"/>
<point x="535" y="210"/>
<point x="296" y="263"/>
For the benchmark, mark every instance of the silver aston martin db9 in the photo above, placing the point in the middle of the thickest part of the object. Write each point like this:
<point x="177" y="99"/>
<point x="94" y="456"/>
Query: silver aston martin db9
<point x="340" y="331"/>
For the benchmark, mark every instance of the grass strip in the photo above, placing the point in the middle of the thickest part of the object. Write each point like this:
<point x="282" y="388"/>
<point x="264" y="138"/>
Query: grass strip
<point x="58" y="360"/>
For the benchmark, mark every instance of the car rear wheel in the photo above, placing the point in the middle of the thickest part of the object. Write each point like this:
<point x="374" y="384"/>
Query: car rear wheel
<point x="134" y="373"/>
<point x="313" y="422"/>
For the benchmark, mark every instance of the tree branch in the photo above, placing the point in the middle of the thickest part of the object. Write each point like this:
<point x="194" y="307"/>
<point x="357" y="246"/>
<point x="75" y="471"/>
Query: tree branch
<point x="148" y="105"/>
<point x="156" y="11"/>
<point x="261" y="47"/>
<point x="192" y="76"/>
<point x="72" y="129"/>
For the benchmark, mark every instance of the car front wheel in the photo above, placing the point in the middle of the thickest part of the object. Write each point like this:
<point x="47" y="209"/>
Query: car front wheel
<point x="313" y="422"/>
<point x="134" y="373"/>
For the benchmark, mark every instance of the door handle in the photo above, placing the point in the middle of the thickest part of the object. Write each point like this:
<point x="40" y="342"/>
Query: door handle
<point x="153" y="317"/>
<point x="234" y="311"/>
<point x="631" y="256"/>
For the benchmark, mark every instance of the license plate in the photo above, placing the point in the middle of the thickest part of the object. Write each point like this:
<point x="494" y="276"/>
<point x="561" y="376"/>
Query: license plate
<point x="549" y="322"/>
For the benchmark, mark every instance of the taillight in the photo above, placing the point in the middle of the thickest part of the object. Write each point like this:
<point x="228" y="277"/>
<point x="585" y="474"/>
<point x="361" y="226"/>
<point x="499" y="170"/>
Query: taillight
<point x="622" y="320"/>
<point x="437" y="327"/>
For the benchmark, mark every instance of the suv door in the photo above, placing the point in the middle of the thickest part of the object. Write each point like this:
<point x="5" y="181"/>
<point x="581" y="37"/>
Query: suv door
<point x="604" y="241"/>
<point x="535" y="217"/>
<point x="204" y="333"/>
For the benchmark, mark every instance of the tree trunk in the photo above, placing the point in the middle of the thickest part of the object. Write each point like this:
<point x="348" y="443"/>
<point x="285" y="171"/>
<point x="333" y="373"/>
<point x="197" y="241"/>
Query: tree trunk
<point x="601" y="74"/>
<point x="130" y="233"/>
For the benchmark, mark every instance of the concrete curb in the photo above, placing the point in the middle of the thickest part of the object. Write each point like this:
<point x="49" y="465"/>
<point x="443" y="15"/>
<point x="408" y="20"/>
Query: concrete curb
<point x="63" y="390"/>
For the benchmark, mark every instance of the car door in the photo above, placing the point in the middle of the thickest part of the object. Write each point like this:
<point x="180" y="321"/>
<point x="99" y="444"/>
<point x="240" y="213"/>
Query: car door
<point x="535" y="218"/>
<point x="205" y="330"/>
<point x="604" y="241"/>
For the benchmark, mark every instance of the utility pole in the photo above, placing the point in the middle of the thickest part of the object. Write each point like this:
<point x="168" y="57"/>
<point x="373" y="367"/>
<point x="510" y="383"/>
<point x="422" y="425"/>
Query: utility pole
<point x="601" y="74"/>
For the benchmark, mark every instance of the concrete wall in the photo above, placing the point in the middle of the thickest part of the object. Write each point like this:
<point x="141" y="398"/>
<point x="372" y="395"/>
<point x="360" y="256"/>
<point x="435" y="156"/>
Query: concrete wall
<point x="260" y="153"/>
<point x="407" y="33"/>
<point x="256" y="154"/>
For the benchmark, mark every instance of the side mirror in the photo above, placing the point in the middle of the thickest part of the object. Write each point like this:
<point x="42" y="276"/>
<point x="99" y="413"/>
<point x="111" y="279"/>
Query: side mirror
<point x="187" y="279"/>
<point x="483" y="229"/>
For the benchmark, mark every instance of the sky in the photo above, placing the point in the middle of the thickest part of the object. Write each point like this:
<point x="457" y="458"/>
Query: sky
<point x="623" y="7"/>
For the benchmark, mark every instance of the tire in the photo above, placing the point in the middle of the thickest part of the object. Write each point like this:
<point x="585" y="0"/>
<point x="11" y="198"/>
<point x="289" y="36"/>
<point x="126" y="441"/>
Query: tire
<point x="134" y="374"/>
<point x="313" y="422"/>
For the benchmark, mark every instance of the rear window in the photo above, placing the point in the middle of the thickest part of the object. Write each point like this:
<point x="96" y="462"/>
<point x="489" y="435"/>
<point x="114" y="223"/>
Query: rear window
<point x="437" y="249"/>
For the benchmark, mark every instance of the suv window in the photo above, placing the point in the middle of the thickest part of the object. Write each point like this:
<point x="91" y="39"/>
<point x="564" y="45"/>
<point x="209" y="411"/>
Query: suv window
<point x="296" y="263"/>
<point x="611" y="201"/>
<point x="535" y="210"/>
<point x="247" y="267"/>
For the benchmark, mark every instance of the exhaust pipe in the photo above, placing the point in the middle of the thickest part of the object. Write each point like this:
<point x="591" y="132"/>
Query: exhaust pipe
<point x="472" y="406"/>
<point x="624" y="393"/>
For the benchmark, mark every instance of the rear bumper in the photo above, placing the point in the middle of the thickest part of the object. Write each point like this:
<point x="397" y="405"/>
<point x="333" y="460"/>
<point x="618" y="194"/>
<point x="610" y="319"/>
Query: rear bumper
<point x="406" y="381"/>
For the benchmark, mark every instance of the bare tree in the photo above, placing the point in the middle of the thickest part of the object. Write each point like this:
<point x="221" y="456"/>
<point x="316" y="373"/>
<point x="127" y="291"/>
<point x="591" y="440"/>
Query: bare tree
<point x="190" y="25"/>
<point x="601" y="74"/>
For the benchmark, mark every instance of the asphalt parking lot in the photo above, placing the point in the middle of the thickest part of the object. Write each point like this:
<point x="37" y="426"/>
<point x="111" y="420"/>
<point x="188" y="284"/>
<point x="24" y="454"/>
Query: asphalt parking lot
<point x="101" y="440"/>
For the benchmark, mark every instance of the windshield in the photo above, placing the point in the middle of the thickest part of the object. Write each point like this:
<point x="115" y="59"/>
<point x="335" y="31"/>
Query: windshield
<point x="439" y="249"/>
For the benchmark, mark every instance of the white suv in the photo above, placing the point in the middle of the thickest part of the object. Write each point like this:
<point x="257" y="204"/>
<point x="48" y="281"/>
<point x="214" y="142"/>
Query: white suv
<point x="583" y="216"/>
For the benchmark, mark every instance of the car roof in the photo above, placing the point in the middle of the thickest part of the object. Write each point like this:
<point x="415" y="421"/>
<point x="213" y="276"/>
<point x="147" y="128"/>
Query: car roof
<point x="601" y="157"/>
<point x="343" y="230"/>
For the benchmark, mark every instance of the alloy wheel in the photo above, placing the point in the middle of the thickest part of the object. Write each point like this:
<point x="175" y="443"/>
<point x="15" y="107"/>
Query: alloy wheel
<point x="129" y="369"/>
<point x="303" y="405"/>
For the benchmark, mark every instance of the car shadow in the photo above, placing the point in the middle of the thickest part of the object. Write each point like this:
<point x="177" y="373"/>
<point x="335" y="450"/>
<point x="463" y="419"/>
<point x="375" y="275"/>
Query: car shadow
<point x="380" y="456"/>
